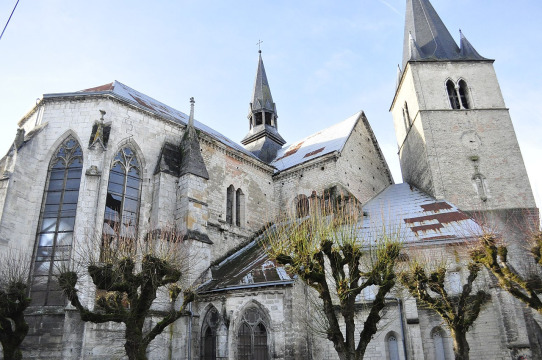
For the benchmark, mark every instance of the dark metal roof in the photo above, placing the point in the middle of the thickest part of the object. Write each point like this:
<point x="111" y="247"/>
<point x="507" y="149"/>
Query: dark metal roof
<point x="246" y="268"/>
<point x="431" y="40"/>
<point x="191" y="158"/>
<point x="261" y="97"/>
<point x="141" y="100"/>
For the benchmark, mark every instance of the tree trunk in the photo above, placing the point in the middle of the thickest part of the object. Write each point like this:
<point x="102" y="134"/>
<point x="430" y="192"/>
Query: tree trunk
<point x="11" y="351"/>
<point x="11" y="340"/>
<point x="134" y="346"/>
<point x="461" y="346"/>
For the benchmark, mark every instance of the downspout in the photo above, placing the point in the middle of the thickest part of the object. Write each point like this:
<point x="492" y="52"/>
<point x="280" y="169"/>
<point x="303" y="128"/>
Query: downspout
<point x="189" y="351"/>
<point x="402" y="327"/>
<point x="399" y="302"/>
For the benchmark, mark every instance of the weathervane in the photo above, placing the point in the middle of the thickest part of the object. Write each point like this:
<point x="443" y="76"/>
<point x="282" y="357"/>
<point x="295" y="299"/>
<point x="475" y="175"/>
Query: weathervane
<point x="259" y="43"/>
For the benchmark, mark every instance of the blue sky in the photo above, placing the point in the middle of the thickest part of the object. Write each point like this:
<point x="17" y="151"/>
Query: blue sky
<point x="325" y="60"/>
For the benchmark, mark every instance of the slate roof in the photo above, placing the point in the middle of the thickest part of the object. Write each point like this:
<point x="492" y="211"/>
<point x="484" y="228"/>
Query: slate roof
<point x="248" y="267"/>
<point x="321" y="143"/>
<point x="412" y="215"/>
<point x="261" y="96"/>
<point x="417" y="217"/>
<point x="141" y="100"/>
<point x="427" y="38"/>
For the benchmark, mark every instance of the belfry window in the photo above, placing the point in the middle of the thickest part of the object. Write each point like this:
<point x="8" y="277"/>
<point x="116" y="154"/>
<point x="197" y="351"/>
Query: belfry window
<point x="464" y="94"/>
<point x="55" y="232"/>
<point x="252" y="337"/>
<point x="452" y="95"/>
<point x="122" y="202"/>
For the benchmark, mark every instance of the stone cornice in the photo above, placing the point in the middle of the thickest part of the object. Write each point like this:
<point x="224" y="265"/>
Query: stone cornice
<point x="308" y="165"/>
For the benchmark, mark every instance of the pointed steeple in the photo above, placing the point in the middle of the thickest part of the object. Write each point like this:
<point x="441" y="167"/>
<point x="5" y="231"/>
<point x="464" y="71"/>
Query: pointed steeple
<point x="263" y="139"/>
<point x="191" y="160"/>
<point x="432" y="40"/>
<point x="262" y="101"/>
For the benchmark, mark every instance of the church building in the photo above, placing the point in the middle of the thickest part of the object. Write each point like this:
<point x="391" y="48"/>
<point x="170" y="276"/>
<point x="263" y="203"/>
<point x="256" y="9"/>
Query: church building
<point x="91" y="162"/>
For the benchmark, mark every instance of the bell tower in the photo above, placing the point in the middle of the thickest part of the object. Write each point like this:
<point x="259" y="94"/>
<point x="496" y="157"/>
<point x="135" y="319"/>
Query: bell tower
<point x="455" y="136"/>
<point x="263" y="138"/>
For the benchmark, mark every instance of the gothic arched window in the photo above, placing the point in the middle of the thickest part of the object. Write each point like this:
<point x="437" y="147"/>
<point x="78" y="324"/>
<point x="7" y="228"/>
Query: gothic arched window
<point x="122" y="202"/>
<point x="55" y="232"/>
<point x="464" y="94"/>
<point x="452" y="95"/>
<point x="209" y="334"/>
<point x="252" y="337"/>
<point x="230" y="198"/>
<point x="239" y="207"/>
<point x="209" y="344"/>
<point x="302" y="206"/>
<point x="438" y="341"/>
<point x="393" y="347"/>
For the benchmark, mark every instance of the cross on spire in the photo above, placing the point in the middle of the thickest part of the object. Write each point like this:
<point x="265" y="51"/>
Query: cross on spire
<point x="259" y="43"/>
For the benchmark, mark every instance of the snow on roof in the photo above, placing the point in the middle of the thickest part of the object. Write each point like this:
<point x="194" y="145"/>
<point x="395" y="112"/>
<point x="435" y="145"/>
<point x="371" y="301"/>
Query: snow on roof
<point x="323" y="142"/>
<point x="161" y="109"/>
<point x="415" y="217"/>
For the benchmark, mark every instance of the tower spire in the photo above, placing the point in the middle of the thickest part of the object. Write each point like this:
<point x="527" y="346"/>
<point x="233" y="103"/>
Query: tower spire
<point x="434" y="42"/>
<point x="263" y="139"/>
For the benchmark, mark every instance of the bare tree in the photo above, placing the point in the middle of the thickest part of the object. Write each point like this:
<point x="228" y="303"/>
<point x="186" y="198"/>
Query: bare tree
<point x="493" y="254"/>
<point x="325" y="250"/>
<point x="458" y="310"/>
<point x="128" y="275"/>
<point x="14" y="271"/>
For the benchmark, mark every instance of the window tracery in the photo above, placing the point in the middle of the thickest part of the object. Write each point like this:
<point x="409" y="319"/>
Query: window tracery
<point x="252" y="337"/>
<point x="57" y="220"/>
<point x="122" y="201"/>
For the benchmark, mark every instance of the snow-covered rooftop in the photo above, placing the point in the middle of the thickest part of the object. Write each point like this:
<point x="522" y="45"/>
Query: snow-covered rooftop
<point x="321" y="143"/>
<point x="415" y="217"/>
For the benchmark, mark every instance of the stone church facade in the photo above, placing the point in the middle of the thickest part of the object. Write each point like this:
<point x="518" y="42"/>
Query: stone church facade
<point x="93" y="161"/>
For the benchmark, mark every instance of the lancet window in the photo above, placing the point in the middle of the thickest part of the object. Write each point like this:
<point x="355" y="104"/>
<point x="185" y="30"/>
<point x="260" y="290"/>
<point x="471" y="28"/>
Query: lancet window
<point x="252" y="337"/>
<point x="235" y="206"/>
<point x="122" y="202"/>
<point x="393" y="347"/>
<point x="463" y="94"/>
<point x="452" y="95"/>
<point x="438" y="342"/>
<point x="302" y="206"/>
<point x="57" y="220"/>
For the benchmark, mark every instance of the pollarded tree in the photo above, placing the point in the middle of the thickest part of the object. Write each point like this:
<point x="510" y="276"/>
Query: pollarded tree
<point x="459" y="311"/>
<point x="494" y="256"/>
<point x="325" y="250"/>
<point x="14" y="267"/>
<point x="128" y="276"/>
